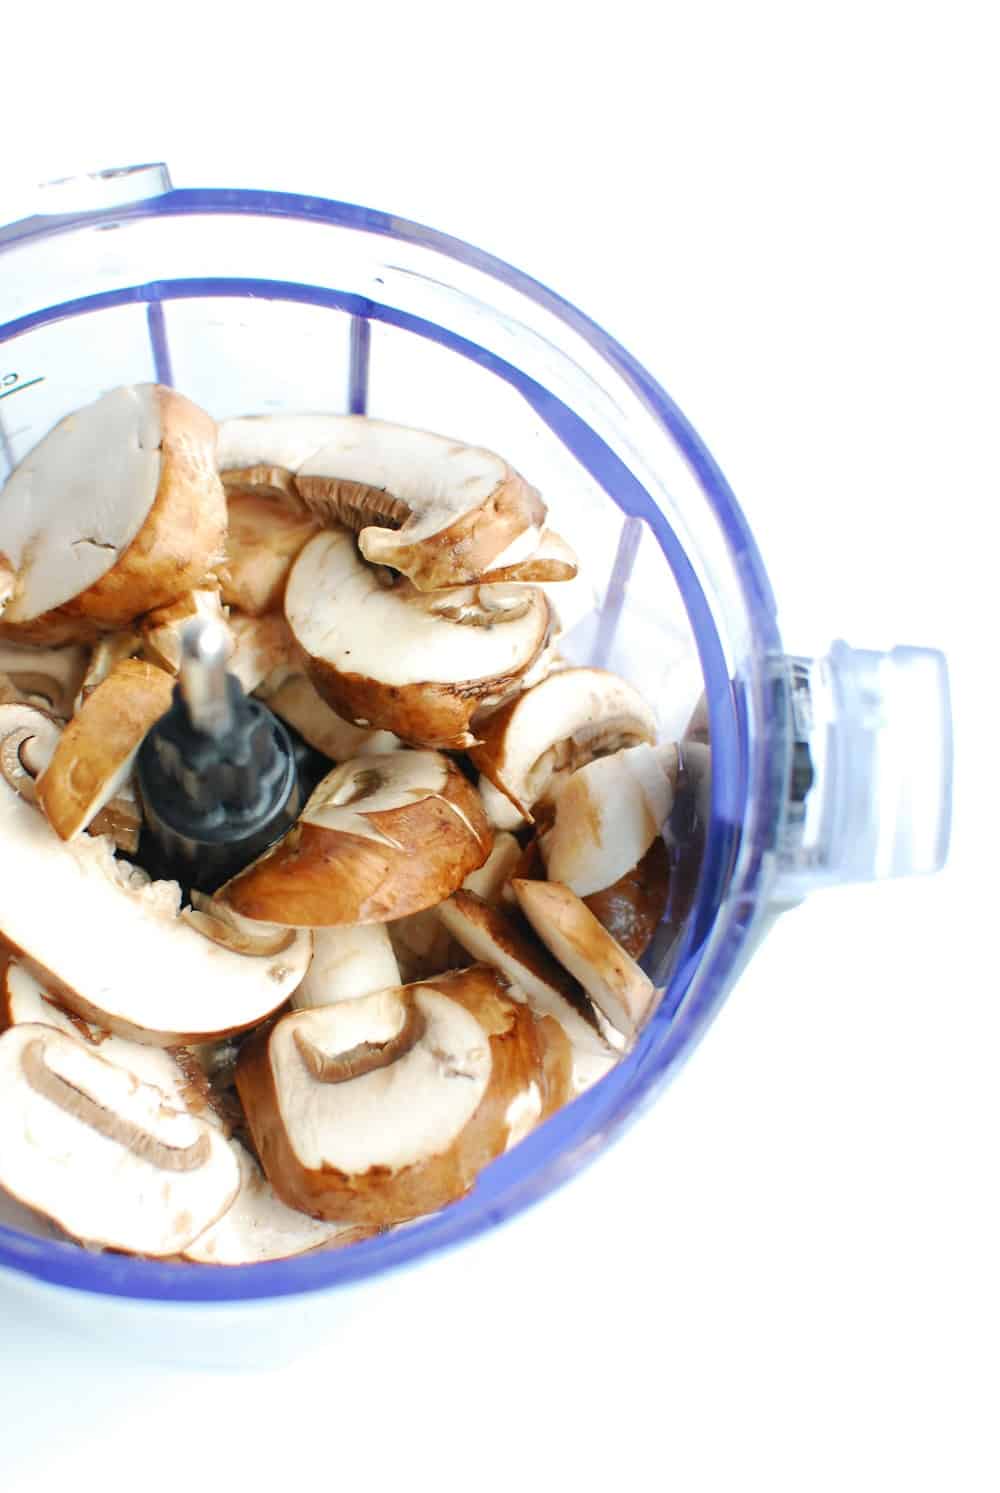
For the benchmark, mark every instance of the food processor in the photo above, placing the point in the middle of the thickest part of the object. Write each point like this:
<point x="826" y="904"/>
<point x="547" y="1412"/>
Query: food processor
<point x="814" y="771"/>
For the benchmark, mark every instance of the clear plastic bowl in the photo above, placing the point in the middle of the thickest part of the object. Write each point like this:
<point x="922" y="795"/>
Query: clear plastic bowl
<point x="821" y="770"/>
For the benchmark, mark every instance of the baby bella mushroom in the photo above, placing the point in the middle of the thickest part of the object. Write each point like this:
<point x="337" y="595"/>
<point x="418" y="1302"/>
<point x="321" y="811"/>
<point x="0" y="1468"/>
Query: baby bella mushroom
<point x="266" y="531"/>
<point x="46" y="677"/>
<point x="118" y="953"/>
<point x="258" y="1226"/>
<point x="97" y="750"/>
<point x="417" y="664"/>
<point x="632" y="907"/>
<point x="347" y="962"/>
<point x="380" y="1109"/>
<point x="379" y="838"/>
<point x="614" y="982"/>
<point x="117" y="510"/>
<point x="440" y="511"/>
<point x="101" y="1152"/>
<point x="294" y="698"/>
<point x="529" y="746"/>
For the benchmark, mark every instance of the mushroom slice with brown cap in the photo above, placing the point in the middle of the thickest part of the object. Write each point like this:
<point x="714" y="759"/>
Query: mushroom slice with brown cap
<point x="529" y="746"/>
<point x="392" y="657"/>
<point x="118" y="954"/>
<point x="161" y="629"/>
<point x="117" y="510"/>
<point x="632" y="907"/>
<point x="266" y="531"/>
<point x="107" y="653"/>
<point x="258" y="1226"/>
<point x="101" y="1153"/>
<point x="27" y="744"/>
<point x="505" y="943"/>
<point x="46" y="677"/>
<point x="440" y="511"/>
<point x="25" y="999"/>
<point x="383" y="1108"/>
<point x="295" y="699"/>
<point x="614" y="982"/>
<point x="260" y="647"/>
<point x="97" y="750"/>
<point x="607" y="815"/>
<point x="489" y="880"/>
<point x="379" y="838"/>
<point x="347" y="962"/>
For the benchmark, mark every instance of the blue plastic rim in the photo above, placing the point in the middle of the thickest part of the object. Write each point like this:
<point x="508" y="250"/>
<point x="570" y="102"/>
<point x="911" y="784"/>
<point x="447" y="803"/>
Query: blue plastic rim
<point x="743" y="790"/>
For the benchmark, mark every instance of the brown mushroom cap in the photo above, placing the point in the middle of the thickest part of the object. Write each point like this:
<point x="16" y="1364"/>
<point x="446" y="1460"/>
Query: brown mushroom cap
<point x="100" y="1152"/>
<point x="380" y="837"/>
<point x="506" y="943"/>
<point x="379" y="1143"/>
<point x="391" y="657"/>
<point x="632" y="908"/>
<point x="117" y="510"/>
<point x="97" y="750"/>
<point x="530" y="744"/>
<point x="614" y="982"/>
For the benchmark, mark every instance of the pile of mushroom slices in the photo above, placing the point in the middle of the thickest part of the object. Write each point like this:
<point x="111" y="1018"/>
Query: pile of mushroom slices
<point x="439" y="953"/>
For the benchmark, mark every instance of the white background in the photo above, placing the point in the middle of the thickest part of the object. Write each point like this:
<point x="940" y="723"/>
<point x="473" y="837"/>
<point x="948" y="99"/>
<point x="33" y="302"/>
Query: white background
<point x="785" y="1277"/>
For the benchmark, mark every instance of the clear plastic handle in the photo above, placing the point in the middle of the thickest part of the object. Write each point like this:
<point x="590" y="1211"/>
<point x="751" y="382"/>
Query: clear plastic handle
<point x="870" y="792"/>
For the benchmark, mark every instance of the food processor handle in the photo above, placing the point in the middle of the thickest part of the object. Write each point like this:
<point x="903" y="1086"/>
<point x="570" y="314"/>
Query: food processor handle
<point x="871" y="773"/>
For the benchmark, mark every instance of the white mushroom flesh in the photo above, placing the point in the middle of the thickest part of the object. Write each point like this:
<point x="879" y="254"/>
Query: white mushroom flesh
<point x="79" y="499"/>
<point x="347" y="962"/>
<point x="607" y="815"/>
<point x="395" y="1116"/>
<point x="400" y="636"/>
<point x="101" y="1153"/>
<point x="258" y="1226"/>
<point x="297" y="701"/>
<point x="190" y="987"/>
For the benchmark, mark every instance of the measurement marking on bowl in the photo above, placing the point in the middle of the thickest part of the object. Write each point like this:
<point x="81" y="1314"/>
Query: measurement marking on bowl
<point x="11" y="383"/>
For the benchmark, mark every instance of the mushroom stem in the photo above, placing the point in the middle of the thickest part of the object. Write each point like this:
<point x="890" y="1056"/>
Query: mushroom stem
<point x="366" y="1056"/>
<point x="85" y="1108"/>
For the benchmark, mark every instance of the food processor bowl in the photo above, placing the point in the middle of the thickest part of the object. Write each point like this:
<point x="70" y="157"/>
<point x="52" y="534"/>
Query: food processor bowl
<point x="820" y="770"/>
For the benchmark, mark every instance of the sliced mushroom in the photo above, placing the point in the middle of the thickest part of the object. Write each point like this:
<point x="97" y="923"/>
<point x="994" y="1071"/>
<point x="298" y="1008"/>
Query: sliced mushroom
<point x="504" y="942"/>
<point x="46" y="677"/>
<point x="614" y="982"/>
<point x="161" y="628"/>
<point x="101" y="1153"/>
<point x="218" y="922"/>
<point x="266" y="531"/>
<point x="107" y="653"/>
<point x="111" y="945"/>
<point x="344" y="1134"/>
<point x="258" y="1226"/>
<point x="442" y="512"/>
<point x="553" y="560"/>
<point x="117" y="510"/>
<point x="97" y="750"/>
<point x="529" y="746"/>
<point x="347" y="962"/>
<point x="632" y="908"/>
<point x="121" y="818"/>
<point x="607" y="815"/>
<point x="488" y="882"/>
<point x="380" y="837"/>
<point x="392" y="657"/>
<point x="29" y="740"/>
<point x="261" y="645"/>
<point x="24" y="999"/>
<point x="423" y="946"/>
<point x="296" y="700"/>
